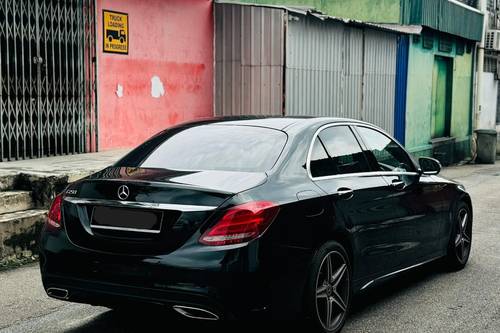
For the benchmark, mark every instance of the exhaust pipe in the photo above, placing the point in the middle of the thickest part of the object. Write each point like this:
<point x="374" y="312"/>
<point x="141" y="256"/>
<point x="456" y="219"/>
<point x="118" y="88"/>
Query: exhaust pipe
<point x="58" y="293"/>
<point x="195" y="313"/>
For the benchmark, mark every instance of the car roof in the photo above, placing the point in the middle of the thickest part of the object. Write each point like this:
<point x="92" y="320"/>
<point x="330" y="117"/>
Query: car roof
<point x="278" y="123"/>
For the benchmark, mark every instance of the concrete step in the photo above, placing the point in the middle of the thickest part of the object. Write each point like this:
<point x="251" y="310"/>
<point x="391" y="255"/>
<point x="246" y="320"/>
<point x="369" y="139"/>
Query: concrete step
<point x="19" y="232"/>
<point x="7" y="180"/>
<point x="44" y="187"/>
<point x="15" y="201"/>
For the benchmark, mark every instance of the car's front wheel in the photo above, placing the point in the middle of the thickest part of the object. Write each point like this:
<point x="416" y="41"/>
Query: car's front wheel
<point x="329" y="291"/>
<point x="461" y="237"/>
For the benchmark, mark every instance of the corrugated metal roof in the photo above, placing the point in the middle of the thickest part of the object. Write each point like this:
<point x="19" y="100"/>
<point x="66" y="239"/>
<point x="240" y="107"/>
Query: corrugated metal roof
<point x="444" y="15"/>
<point x="468" y="6"/>
<point x="405" y="29"/>
<point x="411" y="29"/>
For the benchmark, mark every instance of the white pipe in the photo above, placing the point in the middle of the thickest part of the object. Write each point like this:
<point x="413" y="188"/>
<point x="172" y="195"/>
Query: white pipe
<point x="480" y="65"/>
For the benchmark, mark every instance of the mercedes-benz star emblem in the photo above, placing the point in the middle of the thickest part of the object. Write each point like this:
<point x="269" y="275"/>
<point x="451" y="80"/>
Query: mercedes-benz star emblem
<point x="123" y="192"/>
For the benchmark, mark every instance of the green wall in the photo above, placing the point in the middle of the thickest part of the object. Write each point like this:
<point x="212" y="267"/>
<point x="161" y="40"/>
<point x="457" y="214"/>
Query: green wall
<point x="419" y="98"/>
<point x="461" y="117"/>
<point x="461" y="102"/>
<point x="386" y="11"/>
<point x="383" y="11"/>
<point x="441" y="15"/>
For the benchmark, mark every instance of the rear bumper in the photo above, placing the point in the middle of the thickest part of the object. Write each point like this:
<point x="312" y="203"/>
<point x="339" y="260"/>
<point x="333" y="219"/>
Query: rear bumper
<point x="227" y="282"/>
<point x="117" y="295"/>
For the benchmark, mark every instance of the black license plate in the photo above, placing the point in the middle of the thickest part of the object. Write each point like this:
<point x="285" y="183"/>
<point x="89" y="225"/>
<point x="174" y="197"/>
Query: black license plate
<point x="126" y="219"/>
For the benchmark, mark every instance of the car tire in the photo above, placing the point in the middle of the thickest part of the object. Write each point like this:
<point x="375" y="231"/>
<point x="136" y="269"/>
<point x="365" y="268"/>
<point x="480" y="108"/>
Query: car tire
<point x="328" y="300"/>
<point x="460" y="244"/>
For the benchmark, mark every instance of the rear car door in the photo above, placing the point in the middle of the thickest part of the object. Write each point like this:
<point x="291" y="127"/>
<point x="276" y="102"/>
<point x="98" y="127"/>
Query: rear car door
<point x="413" y="204"/>
<point x="339" y="167"/>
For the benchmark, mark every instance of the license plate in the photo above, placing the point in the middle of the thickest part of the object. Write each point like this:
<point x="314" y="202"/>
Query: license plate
<point x="125" y="219"/>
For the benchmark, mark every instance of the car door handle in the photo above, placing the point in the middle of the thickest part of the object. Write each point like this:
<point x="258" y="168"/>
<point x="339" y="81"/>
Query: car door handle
<point x="398" y="184"/>
<point x="345" y="193"/>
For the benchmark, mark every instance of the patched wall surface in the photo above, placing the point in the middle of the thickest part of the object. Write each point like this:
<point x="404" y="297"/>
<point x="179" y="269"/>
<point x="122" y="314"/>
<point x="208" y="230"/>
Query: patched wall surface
<point x="165" y="78"/>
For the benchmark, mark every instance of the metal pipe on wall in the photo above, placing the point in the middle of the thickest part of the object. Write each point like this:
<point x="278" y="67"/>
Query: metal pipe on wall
<point x="480" y="65"/>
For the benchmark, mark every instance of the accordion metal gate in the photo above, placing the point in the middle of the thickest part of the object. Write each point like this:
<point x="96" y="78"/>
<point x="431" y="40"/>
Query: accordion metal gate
<point x="47" y="78"/>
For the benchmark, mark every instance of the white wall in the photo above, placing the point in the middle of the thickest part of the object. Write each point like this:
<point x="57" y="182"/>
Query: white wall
<point x="489" y="91"/>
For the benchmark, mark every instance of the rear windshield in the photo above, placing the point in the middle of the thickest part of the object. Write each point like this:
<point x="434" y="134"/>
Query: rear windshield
<point x="214" y="147"/>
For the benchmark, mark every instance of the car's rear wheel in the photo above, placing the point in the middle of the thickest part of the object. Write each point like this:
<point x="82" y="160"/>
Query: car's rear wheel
<point x="329" y="292"/>
<point x="461" y="237"/>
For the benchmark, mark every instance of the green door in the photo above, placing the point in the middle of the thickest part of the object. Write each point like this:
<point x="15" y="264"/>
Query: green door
<point x="441" y="97"/>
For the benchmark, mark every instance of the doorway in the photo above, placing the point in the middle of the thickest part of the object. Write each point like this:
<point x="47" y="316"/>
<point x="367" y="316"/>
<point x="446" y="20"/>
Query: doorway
<point x="441" y="97"/>
<point x="47" y="78"/>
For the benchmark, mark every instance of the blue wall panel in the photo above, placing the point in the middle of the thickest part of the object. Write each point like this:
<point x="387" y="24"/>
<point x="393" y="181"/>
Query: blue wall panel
<point x="401" y="84"/>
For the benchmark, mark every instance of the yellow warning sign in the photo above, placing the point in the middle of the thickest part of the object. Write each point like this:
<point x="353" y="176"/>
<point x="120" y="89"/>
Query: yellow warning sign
<point x="115" y="32"/>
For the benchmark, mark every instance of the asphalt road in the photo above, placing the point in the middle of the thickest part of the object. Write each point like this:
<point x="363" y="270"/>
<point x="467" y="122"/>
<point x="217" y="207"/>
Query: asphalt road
<point x="428" y="299"/>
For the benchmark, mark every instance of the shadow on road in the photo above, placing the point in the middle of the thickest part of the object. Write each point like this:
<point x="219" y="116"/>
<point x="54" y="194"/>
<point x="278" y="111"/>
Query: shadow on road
<point x="155" y="320"/>
<point x="158" y="321"/>
<point x="397" y="286"/>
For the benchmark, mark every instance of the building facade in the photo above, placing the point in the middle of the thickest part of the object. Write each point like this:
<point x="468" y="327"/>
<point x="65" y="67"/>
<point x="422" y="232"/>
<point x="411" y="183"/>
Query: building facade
<point x="284" y="61"/>
<point x="434" y="103"/>
<point x="84" y="75"/>
<point x="167" y="75"/>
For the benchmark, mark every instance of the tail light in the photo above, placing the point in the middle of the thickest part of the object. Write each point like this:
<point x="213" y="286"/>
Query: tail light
<point x="55" y="215"/>
<point x="241" y="224"/>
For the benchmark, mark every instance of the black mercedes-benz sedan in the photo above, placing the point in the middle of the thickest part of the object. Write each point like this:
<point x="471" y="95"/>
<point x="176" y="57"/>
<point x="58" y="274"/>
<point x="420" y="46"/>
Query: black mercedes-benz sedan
<point x="226" y="218"/>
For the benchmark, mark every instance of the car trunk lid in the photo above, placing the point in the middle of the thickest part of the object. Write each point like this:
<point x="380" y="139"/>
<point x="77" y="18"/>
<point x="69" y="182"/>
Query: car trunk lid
<point x="147" y="211"/>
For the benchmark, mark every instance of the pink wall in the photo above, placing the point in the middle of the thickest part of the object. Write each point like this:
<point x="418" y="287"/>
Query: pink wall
<point x="170" y="39"/>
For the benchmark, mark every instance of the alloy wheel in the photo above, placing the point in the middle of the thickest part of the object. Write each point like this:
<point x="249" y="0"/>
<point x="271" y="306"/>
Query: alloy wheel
<point x="332" y="290"/>
<point x="463" y="235"/>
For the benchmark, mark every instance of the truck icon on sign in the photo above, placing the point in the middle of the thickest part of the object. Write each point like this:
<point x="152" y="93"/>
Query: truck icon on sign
<point x="116" y="35"/>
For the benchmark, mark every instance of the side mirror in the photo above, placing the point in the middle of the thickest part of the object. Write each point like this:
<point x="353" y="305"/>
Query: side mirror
<point x="429" y="166"/>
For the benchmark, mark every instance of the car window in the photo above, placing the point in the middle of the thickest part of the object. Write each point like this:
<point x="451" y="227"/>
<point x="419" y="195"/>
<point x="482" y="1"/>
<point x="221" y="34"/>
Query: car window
<point x="215" y="147"/>
<point x="384" y="153"/>
<point x="321" y="165"/>
<point x="335" y="152"/>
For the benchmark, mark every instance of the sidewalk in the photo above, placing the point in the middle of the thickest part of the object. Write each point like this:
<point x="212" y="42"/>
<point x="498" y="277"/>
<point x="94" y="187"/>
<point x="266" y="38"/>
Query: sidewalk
<point x="75" y="166"/>
<point x="466" y="170"/>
